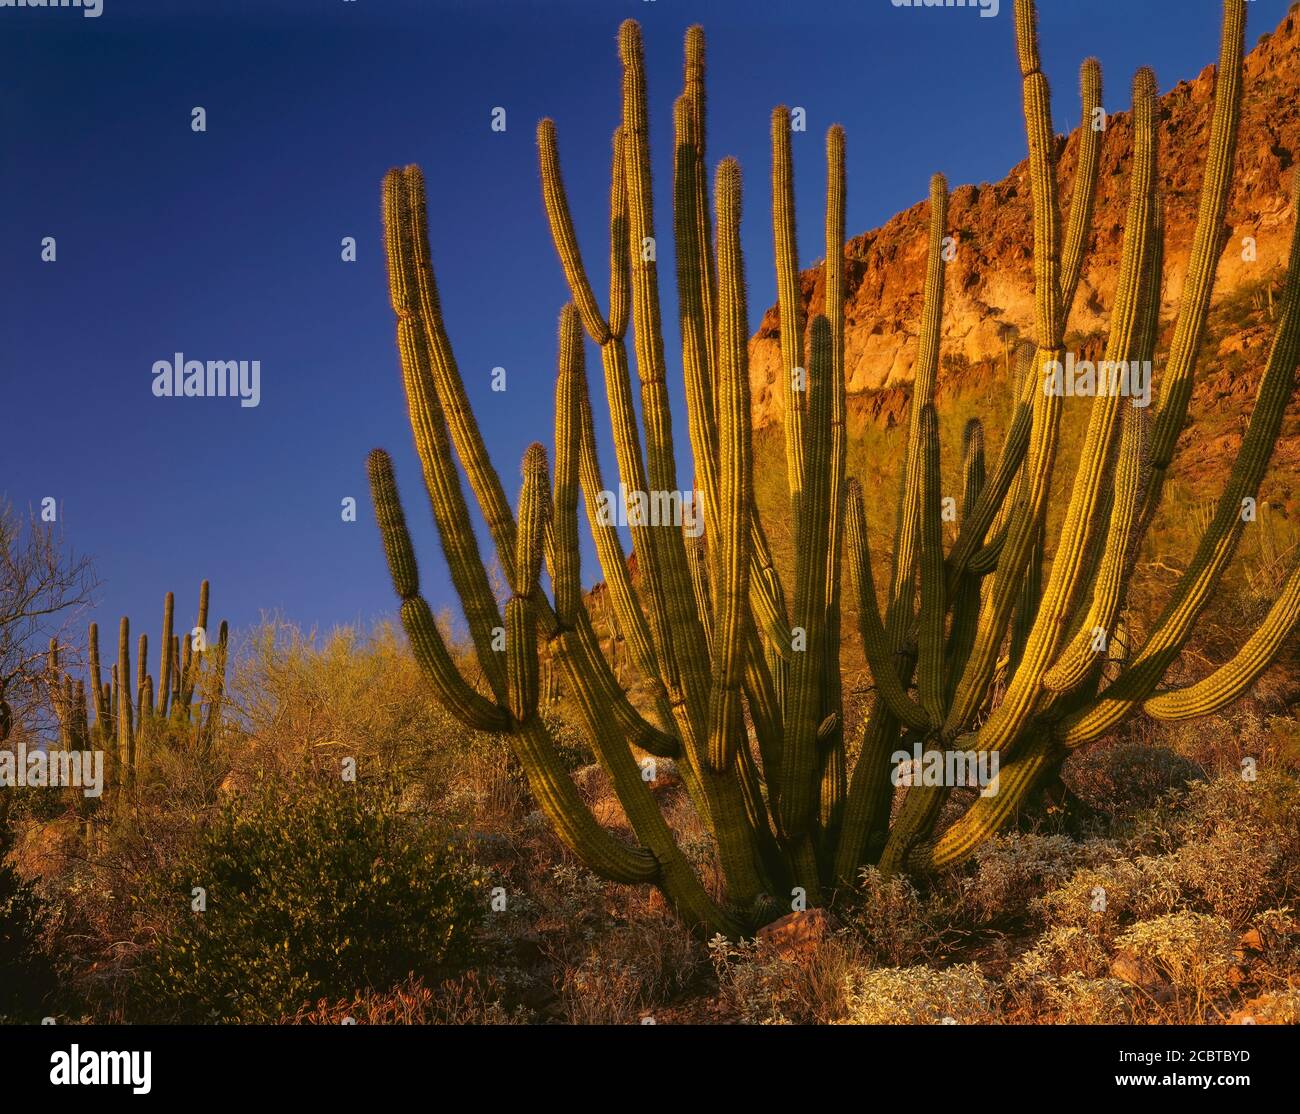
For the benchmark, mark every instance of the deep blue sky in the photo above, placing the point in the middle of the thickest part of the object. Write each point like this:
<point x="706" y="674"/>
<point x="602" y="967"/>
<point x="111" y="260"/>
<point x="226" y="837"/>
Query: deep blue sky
<point x="226" y="245"/>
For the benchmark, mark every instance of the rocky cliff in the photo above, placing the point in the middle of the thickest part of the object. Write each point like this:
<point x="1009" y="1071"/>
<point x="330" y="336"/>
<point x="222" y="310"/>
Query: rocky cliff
<point x="989" y="284"/>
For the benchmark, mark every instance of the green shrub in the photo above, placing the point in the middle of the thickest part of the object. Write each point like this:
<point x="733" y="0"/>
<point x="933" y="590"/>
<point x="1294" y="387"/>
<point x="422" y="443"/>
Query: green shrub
<point x="310" y="895"/>
<point x="26" y="977"/>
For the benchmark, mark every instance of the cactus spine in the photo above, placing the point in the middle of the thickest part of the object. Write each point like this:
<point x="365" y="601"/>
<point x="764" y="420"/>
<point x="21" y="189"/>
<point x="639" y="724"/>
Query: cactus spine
<point x="741" y="688"/>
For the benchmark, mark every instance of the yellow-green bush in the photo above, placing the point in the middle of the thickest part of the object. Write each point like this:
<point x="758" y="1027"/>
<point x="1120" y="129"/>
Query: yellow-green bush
<point x="317" y="892"/>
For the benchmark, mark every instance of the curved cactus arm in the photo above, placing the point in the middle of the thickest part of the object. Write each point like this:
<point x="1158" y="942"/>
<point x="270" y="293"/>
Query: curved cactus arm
<point x="1219" y="540"/>
<point x="454" y="692"/>
<point x="693" y="90"/>
<point x="797" y="796"/>
<point x="1031" y="502"/>
<point x="764" y="704"/>
<point x="673" y="874"/>
<point x="1207" y="247"/>
<point x="902" y="590"/>
<point x="689" y="646"/>
<point x="1233" y="678"/>
<point x="627" y="441"/>
<point x="428" y="423"/>
<point x="571" y="391"/>
<point x="982" y="516"/>
<point x="521" y="616"/>
<point x="875" y="644"/>
<point x="696" y="314"/>
<point x="1084" y="196"/>
<point x="1043" y="639"/>
<point x="736" y="492"/>
<point x="566" y="240"/>
<point x="1027" y="601"/>
<point x="789" y="302"/>
<point x="1016" y="777"/>
<point x="1049" y="318"/>
<point x="445" y="375"/>
<point x="1079" y="657"/>
<point x="966" y="588"/>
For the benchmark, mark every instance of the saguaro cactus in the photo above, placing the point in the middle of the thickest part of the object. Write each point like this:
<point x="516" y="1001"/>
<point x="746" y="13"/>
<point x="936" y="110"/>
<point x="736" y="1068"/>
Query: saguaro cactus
<point x="125" y="718"/>
<point x="984" y="647"/>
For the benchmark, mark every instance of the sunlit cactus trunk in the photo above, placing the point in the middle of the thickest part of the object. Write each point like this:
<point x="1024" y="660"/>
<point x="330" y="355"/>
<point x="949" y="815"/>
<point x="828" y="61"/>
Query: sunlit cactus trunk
<point x="1002" y="638"/>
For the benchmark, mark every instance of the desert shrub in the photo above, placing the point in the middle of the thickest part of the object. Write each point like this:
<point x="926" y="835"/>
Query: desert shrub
<point x="1078" y="1000"/>
<point x="630" y="970"/>
<point x="1063" y="978"/>
<point x="315" y="894"/>
<point x="1063" y="951"/>
<point x="298" y="697"/>
<point x="762" y="985"/>
<point x="894" y="924"/>
<point x="1192" y="951"/>
<point x="26" y="975"/>
<point x="919" y="996"/>
<point x="1129" y="775"/>
<point x="1014" y="870"/>
<point x="1279" y="1007"/>
<point x="462" y="1001"/>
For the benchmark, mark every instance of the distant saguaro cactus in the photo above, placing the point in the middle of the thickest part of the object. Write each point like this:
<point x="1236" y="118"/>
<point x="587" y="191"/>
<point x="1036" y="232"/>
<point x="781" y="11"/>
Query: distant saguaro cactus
<point x="986" y="647"/>
<point x="123" y="716"/>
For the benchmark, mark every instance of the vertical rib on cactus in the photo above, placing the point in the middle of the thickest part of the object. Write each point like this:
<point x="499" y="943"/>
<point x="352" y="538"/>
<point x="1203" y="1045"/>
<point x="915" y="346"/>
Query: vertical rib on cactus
<point x="834" y="773"/>
<point x="1084" y="195"/>
<point x="797" y="797"/>
<point x="698" y="328"/>
<point x="521" y="618"/>
<point x="1207" y="245"/>
<point x="687" y="635"/>
<point x="902" y="591"/>
<point x="726" y="720"/>
<point x="789" y="304"/>
<point x="1219" y="541"/>
<point x="1049" y="624"/>
<point x="441" y="362"/>
<point x="875" y="644"/>
<point x="930" y="659"/>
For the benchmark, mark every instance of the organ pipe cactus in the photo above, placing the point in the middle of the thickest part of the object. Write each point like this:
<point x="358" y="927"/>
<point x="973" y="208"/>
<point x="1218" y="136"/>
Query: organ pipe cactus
<point x="984" y="647"/>
<point x="125" y="715"/>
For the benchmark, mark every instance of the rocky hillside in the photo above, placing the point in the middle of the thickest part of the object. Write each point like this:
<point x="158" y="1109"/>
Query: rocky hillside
<point x="989" y="285"/>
